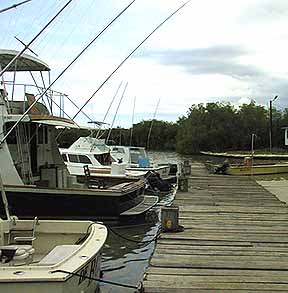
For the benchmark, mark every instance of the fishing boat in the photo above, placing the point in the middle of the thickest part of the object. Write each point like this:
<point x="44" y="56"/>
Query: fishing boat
<point x="137" y="158"/>
<point x="49" y="255"/>
<point x="95" y="154"/>
<point x="35" y="176"/>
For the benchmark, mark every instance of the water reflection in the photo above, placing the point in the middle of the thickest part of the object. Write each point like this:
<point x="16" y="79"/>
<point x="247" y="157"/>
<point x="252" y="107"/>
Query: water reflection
<point x="125" y="261"/>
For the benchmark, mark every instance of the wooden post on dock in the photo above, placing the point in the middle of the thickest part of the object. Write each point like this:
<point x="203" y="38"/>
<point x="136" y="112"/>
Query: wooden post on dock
<point x="170" y="218"/>
<point x="187" y="167"/>
<point x="183" y="184"/>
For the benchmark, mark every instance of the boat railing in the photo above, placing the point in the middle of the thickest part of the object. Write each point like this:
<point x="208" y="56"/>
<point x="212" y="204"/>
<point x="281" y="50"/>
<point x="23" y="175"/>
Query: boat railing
<point x="54" y="101"/>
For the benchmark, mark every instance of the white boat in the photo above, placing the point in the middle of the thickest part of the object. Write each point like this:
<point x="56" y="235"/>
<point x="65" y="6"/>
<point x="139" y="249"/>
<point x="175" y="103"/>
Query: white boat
<point x="49" y="255"/>
<point x="103" y="165"/>
<point x="97" y="155"/>
<point x="137" y="158"/>
<point x="35" y="176"/>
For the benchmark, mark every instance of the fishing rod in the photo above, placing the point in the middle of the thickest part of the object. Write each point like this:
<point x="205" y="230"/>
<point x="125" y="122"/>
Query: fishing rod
<point x="150" y="129"/>
<point x="98" y="132"/>
<point x="14" y="6"/>
<point x="63" y="71"/>
<point x="37" y="35"/>
<point x="130" y="54"/>
<point x="120" y="101"/>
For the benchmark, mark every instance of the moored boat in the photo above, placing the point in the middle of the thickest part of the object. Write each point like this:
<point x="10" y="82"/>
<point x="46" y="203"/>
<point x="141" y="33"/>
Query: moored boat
<point x="98" y="157"/>
<point x="35" y="176"/>
<point x="49" y="255"/>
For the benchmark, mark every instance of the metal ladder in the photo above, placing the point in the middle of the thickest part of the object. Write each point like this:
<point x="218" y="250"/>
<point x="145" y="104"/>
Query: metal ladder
<point x="24" y="153"/>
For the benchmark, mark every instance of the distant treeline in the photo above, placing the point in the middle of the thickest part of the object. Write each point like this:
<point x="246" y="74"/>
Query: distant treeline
<point x="211" y="127"/>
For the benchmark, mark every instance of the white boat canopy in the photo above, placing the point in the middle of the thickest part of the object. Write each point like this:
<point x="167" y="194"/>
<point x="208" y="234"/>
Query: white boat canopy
<point x="23" y="63"/>
<point x="59" y="123"/>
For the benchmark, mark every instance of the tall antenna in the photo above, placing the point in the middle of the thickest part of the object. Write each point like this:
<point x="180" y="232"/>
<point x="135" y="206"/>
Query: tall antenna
<point x="150" y="129"/>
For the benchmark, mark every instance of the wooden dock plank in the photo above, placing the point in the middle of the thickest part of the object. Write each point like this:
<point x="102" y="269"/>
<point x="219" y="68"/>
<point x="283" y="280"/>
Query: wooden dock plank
<point x="235" y="239"/>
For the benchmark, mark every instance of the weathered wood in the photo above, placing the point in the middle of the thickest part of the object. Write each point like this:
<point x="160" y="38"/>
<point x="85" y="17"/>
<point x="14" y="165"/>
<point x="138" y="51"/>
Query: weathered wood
<point x="235" y="239"/>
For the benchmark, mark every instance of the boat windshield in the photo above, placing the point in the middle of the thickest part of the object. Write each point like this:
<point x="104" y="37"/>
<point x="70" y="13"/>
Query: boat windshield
<point x="104" y="159"/>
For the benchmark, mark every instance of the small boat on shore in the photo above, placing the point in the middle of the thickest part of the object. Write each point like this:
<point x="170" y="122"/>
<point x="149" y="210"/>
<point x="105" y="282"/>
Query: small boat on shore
<point x="248" y="168"/>
<point x="261" y="169"/>
<point x="242" y="156"/>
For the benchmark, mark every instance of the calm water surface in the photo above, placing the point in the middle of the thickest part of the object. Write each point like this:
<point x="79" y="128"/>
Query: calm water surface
<point x="125" y="261"/>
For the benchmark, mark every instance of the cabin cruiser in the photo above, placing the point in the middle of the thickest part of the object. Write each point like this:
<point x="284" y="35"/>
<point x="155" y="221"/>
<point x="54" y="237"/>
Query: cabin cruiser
<point x="137" y="158"/>
<point x="98" y="157"/>
<point x="49" y="255"/>
<point x="36" y="179"/>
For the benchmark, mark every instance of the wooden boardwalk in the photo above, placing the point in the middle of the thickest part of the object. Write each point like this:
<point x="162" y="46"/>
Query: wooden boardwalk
<point x="235" y="239"/>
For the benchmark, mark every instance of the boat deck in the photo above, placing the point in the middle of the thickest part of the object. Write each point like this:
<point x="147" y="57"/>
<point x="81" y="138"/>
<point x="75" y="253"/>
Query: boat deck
<point x="148" y="202"/>
<point x="235" y="239"/>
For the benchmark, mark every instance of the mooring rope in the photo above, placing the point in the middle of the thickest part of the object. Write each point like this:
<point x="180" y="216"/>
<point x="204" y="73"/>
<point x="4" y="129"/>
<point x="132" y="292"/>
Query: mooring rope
<point x="96" y="279"/>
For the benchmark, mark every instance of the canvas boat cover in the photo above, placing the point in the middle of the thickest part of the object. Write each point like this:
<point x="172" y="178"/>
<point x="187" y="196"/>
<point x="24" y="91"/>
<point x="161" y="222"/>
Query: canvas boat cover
<point x="24" y="62"/>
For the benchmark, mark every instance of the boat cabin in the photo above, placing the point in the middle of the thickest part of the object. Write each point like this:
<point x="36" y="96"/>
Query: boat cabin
<point x="132" y="156"/>
<point x="29" y="144"/>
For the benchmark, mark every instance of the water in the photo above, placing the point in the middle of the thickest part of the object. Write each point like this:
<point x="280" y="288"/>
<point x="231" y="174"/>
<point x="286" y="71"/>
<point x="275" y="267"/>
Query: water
<point x="125" y="261"/>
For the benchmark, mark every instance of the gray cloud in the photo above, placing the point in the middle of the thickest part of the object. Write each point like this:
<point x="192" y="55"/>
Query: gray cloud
<point x="266" y="10"/>
<point x="213" y="60"/>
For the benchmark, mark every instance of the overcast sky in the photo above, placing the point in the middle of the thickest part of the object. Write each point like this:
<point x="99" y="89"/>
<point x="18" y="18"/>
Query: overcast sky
<point x="209" y="51"/>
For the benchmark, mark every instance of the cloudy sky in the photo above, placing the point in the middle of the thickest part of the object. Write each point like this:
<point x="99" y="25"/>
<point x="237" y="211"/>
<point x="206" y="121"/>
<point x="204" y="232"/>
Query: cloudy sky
<point x="209" y="51"/>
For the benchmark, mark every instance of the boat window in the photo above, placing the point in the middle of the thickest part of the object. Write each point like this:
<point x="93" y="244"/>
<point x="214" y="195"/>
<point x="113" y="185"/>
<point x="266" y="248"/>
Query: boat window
<point x="73" y="158"/>
<point x="134" y="158"/>
<point x="119" y="150"/>
<point x="64" y="157"/>
<point x="104" y="159"/>
<point x="84" y="160"/>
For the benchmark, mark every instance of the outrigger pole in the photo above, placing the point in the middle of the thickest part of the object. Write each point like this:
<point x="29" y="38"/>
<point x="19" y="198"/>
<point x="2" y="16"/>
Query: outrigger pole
<point x="150" y="129"/>
<point x="120" y="101"/>
<point x="98" y="132"/>
<point x="27" y="46"/>
<point x="131" y="132"/>
<point x="129" y="55"/>
<point x="14" y="6"/>
<point x="63" y="71"/>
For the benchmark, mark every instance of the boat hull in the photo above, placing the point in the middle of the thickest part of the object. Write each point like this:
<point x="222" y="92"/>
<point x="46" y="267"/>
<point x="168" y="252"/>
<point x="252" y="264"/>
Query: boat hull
<point x="258" y="169"/>
<point x="47" y="203"/>
<point x="72" y="284"/>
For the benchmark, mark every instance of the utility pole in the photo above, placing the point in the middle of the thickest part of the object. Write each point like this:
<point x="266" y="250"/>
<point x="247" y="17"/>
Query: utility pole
<point x="270" y="128"/>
